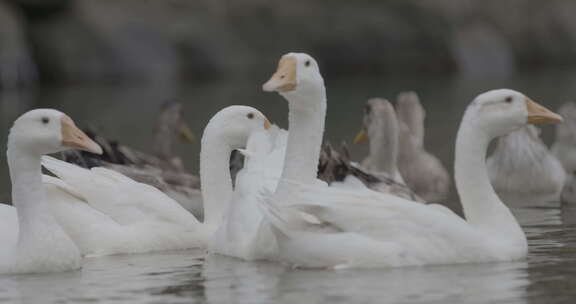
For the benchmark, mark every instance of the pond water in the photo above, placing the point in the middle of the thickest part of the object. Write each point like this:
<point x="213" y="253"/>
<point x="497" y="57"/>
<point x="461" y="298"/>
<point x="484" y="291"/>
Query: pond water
<point x="547" y="276"/>
<point x="128" y="114"/>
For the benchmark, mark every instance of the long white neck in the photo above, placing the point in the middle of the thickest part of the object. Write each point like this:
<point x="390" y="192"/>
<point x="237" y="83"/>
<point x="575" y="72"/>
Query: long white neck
<point x="215" y="177"/>
<point x="307" y="112"/>
<point x="482" y="207"/>
<point x="384" y="147"/>
<point x="414" y="120"/>
<point x="40" y="236"/>
<point x="27" y="192"/>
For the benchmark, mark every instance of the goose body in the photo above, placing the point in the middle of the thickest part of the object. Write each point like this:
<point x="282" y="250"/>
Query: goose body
<point x="568" y="195"/>
<point x="423" y="172"/>
<point x="381" y="128"/>
<point x="163" y="169"/>
<point x="106" y="212"/>
<point x="564" y="148"/>
<point x="521" y="163"/>
<point x="244" y="232"/>
<point x="337" y="169"/>
<point x="32" y="240"/>
<point x="362" y="229"/>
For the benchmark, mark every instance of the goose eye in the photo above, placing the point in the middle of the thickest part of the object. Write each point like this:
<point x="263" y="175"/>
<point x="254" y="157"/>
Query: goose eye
<point x="250" y="115"/>
<point x="307" y="63"/>
<point x="509" y="99"/>
<point x="45" y="120"/>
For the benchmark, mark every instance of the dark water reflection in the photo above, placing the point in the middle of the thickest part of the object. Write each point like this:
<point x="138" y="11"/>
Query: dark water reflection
<point x="547" y="276"/>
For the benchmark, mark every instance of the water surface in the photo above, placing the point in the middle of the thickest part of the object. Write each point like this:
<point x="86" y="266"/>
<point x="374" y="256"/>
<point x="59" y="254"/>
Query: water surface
<point x="547" y="276"/>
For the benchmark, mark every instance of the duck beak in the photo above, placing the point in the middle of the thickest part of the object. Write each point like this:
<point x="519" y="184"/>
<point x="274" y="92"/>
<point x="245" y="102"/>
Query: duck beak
<point x="361" y="137"/>
<point x="267" y="124"/>
<point x="284" y="79"/>
<point x="186" y="133"/>
<point x="74" y="138"/>
<point x="539" y="114"/>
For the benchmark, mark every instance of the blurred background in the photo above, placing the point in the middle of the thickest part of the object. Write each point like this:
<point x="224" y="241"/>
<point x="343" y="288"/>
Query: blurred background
<point x="121" y="41"/>
<point x="112" y="63"/>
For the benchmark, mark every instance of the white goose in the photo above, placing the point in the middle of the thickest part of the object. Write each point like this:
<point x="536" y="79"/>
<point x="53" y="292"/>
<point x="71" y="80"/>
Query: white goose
<point x="32" y="240"/>
<point x="423" y="172"/>
<point x="380" y="127"/>
<point x="244" y="233"/>
<point x="521" y="163"/>
<point x="375" y="229"/>
<point x="105" y="212"/>
<point x="411" y="112"/>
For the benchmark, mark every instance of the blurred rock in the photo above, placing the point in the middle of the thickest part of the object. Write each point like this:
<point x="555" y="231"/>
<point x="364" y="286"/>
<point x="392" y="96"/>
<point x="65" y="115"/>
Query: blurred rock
<point x="16" y="65"/>
<point x="480" y="50"/>
<point x="172" y="40"/>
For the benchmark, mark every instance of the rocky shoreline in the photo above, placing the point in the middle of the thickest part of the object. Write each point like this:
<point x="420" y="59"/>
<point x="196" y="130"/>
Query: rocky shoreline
<point x="118" y="41"/>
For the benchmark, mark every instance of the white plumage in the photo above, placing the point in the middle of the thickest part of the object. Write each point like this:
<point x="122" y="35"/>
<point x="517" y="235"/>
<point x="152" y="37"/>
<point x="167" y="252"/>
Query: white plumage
<point x="32" y="240"/>
<point x="423" y="172"/>
<point x="365" y="228"/>
<point x="521" y="163"/>
<point x="564" y="148"/>
<point x="106" y="212"/>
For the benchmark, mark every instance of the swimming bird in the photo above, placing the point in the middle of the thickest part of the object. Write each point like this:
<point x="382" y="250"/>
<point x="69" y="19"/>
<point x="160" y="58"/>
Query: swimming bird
<point x="105" y="212"/>
<point x="32" y="240"/>
<point x="423" y="172"/>
<point x="381" y="127"/>
<point x="367" y="229"/>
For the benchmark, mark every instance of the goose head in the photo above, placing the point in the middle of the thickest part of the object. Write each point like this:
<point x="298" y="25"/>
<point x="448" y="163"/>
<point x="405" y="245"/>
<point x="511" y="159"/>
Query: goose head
<point x="499" y="112"/>
<point x="45" y="131"/>
<point x="234" y="124"/>
<point x="379" y="117"/>
<point x="297" y="74"/>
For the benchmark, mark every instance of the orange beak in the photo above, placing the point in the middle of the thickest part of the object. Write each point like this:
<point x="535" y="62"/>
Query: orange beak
<point x="73" y="137"/>
<point x="361" y="137"/>
<point x="539" y="114"/>
<point x="284" y="79"/>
